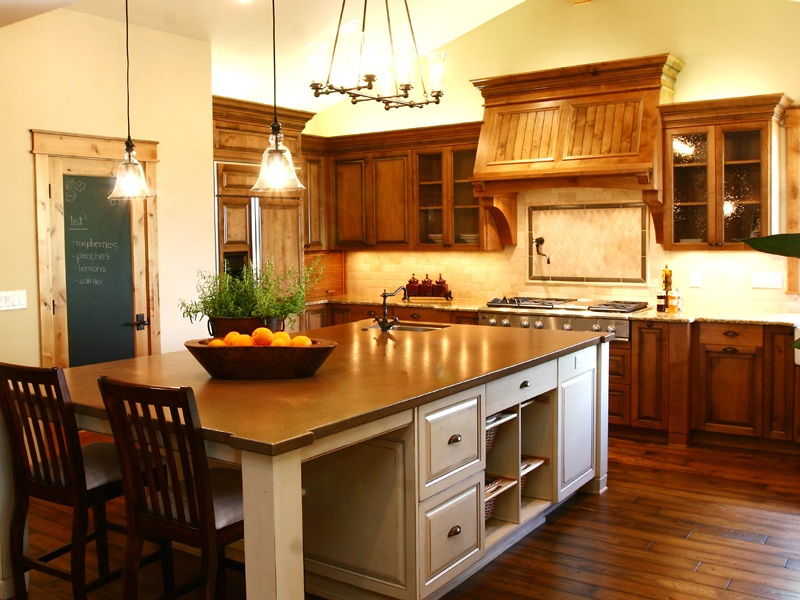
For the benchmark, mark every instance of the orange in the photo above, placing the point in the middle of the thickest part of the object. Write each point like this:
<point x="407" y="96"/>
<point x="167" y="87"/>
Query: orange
<point x="284" y="335"/>
<point x="301" y="340"/>
<point x="262" y="336"/>
<point x="230" y="337"/>
<point x="281" y="341"/>
<point x="243" y="340"/>
<point x="217" y="342"/>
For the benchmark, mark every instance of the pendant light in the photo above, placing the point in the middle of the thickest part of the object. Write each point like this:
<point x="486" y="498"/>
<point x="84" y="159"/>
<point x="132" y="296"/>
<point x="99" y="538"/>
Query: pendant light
<point x="277" y="171"/>
<point x="131" y="183"/>
<point x="388" y="83"/>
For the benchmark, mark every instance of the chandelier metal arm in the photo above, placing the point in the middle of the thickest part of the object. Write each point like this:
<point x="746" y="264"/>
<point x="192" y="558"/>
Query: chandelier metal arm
<point x="335" y="42"/>
<point x="416" y="50"/>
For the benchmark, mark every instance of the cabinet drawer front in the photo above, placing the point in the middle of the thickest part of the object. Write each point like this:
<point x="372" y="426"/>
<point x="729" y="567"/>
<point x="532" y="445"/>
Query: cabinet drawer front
<point x="429" y="315"/>
<point x="450" y="439"/>
<point x="450" y="532"/>
<point x="731" y="334"/>
<point x="516" y="388"/>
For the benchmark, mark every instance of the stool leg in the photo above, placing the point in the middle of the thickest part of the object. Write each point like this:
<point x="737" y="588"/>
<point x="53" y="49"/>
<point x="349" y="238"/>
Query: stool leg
<point x="18" y="518"/>
<point x="130" y="574"/>
<point x="80" y="524"/>
<point x="99" y="519"/>
<point x="208" y="566"/>
<point x="222" y="582"/>
<point x="167" y="568"/>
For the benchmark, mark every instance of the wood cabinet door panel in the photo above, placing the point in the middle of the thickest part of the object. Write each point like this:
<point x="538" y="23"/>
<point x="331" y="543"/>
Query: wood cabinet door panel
<point x="391" y="187"/>
<point x="619" y="404"/>
<point x="314" y="213"/>
<point x="281" y="233"/>
<point x="358" y="312"/>
<point x="619" y="365"/>
<point x="779" y="386"/>
<point x="350" y="195"/>
<point x="730" y="386"/>
<point x="649" y="384"/>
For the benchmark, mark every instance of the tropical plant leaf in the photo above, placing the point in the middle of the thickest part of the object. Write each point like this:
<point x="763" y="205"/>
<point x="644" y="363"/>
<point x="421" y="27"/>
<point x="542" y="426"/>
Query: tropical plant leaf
<point x="782" y="244"/>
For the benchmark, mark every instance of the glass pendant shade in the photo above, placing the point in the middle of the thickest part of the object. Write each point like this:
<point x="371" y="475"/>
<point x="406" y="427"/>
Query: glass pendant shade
<point x="436" y="64"/>
<point x="369" y="55"/>
<point x="316" y="58"/>
<point x="131" y="184"/>
<point x="277" y="170"/>
<point x="404" y="59"/>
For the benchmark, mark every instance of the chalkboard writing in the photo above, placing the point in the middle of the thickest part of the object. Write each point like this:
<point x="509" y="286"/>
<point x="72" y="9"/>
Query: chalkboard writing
<point x="97" y="239"/>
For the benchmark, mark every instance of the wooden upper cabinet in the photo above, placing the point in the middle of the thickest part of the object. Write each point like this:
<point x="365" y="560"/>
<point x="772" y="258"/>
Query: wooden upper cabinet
<point x="312" y="177"/>
<point x="447" y="211"/>
<point x="372" y="200"/>
<point x="719" y="158"/>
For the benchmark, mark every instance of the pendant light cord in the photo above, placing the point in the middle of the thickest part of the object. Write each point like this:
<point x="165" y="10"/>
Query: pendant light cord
<point x="129" y="143"/>
<point x="274" y="76"/>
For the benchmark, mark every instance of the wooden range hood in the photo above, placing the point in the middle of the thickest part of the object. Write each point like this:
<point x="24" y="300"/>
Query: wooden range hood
<point x="595" y="125"/>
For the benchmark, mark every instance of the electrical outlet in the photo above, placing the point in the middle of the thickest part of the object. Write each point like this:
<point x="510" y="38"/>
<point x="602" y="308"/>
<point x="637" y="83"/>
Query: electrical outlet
<point x="579" y="361"/>
<point x="766" y="279"/>
<point x="695" y="279"/>
<point x="16" y="300"/>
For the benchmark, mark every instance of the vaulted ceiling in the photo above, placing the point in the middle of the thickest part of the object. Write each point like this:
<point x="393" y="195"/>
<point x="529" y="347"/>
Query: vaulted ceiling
<point x="239" y="32"/>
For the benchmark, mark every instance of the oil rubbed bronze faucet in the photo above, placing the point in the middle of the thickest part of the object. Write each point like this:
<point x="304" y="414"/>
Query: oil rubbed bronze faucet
<point x="385" y="323"/>
<point x="539" y="241"/>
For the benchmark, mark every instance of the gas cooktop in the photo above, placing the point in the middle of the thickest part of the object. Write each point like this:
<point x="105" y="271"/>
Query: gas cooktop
<point x="611" y="306"/>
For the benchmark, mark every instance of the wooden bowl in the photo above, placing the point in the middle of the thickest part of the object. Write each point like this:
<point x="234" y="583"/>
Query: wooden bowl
<point x="260" y="362"/>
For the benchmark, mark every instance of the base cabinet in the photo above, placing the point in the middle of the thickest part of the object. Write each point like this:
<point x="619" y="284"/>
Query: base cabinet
<point x="411" y="513"/>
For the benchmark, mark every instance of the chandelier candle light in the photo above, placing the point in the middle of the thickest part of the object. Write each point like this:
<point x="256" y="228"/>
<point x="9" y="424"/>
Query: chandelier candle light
<point x="394" y="78"/>
<point x="277" y="172"/>
<point x="131" y="183"/>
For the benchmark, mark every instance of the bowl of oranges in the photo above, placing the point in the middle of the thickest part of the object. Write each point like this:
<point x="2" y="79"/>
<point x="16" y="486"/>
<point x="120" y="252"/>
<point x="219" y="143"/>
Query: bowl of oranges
<point x="261" y="354"/>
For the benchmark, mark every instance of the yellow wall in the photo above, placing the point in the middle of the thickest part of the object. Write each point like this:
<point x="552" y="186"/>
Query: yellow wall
<point x="731" y="48"/>
<point x="65" y="71"/>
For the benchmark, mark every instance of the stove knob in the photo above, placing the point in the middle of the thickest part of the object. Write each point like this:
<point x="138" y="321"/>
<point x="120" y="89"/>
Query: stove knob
<point x="525" y="324"/>
<point x="492" y="321"/>
<point x="595" y="327"/>
<point x="567" y="327"/>
<point x="612" y="329"/>
<point x="538" y="325"/>
<point x="505" y="323"/>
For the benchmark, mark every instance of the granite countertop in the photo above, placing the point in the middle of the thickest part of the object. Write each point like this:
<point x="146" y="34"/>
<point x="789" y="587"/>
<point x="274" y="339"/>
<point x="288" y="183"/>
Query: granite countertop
<point x="370" y="375"/>
<point x="651" y="314"/>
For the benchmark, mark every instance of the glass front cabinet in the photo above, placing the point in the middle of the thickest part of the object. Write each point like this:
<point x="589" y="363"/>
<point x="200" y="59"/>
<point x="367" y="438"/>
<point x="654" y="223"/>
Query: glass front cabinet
<point x="447" y="210"/>
<point x="718" y="162"/>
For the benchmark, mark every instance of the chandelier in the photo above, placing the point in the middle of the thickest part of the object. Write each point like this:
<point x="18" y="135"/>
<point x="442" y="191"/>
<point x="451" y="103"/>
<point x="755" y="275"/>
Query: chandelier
<point x="386" y="79"/>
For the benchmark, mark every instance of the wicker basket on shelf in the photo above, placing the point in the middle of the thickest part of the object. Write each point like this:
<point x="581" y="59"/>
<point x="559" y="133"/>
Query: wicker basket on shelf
<point x="491" y="432"/>
<point x="490" y="485"/>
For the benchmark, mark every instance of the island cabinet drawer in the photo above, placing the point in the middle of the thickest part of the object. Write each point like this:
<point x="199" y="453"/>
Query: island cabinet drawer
<point x="450" y="440"/>
<point x="450" y="533"/>
<point x="519" y="387"/>
<point x="731" y="334"/>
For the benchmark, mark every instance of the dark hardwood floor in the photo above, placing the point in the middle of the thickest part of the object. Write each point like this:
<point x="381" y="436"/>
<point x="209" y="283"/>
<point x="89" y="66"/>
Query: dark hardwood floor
<point x="676" y="523"/>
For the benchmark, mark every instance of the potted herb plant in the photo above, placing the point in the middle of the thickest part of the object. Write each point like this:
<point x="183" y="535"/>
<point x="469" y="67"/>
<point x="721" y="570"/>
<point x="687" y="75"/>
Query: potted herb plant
<point x="252" y="298"/>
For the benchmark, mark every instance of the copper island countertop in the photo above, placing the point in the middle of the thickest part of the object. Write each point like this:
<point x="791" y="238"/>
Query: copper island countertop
<point x="370" y="375"/>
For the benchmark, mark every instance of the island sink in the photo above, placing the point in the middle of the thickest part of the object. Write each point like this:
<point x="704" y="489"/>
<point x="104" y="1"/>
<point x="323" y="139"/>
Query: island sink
<point x="409" y="327"/>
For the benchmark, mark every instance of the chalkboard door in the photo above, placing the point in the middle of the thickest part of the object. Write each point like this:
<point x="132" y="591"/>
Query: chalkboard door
<point x="97" y="259"/>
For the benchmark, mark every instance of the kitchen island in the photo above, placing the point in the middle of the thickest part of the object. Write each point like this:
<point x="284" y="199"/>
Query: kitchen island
<point x="427" y="393"/>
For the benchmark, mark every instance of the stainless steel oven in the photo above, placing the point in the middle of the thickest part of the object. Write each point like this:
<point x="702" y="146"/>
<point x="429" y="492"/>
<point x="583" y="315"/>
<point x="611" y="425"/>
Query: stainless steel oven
<point x="569" y="314"/>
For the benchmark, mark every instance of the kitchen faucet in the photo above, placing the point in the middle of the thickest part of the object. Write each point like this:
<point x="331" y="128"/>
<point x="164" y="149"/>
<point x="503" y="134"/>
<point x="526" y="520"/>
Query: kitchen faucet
<point x="539" y="241"/>
<point x="385" y="323"/>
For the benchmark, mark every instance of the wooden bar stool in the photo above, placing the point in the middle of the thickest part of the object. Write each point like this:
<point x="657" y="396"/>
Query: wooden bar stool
<point x="185" y="501"/>
<point x="49" y="463"/>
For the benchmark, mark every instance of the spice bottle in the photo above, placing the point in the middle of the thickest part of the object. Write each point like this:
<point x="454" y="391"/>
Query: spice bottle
<point x="666" y="279"/>
<point x="661" y="302"/>
<point x="426" y="287"/>
<point x="440" y="287"/>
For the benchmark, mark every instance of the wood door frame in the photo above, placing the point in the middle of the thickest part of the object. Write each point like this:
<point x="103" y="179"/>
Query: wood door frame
<point x="59" y="153"/>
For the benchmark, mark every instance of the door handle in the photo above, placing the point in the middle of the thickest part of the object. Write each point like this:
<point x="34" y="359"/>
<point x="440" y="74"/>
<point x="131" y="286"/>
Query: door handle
<point x="454" y="439"/>
<point x="139" y="323"/>
<point x="524" y="384"/>
<point x="454" y="531"/>
<point x="732" y="334"/>
<point x="730" y="350"/>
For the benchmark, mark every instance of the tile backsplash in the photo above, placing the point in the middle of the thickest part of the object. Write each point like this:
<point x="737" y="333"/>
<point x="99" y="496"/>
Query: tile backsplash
<point x="725" y="277"/>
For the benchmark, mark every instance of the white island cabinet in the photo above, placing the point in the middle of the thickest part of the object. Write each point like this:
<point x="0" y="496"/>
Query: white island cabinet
<point x="403" y="515"/>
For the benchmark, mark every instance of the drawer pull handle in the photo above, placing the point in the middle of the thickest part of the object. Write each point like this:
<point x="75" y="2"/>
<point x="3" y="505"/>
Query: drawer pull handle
<point x="454" y="439"/>
<point x="372" y="313"/>
<point x="730" y="350"/>
<point x="415" y="316"/>
<point x="454" y="531"/>
<point x="732" y="334"/>
<point x="524" y="384"/>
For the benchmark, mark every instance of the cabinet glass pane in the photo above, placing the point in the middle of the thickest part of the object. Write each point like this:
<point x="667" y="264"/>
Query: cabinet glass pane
<point x="430" y="195"/>
<point x="465" y="224"/>
<point x="690" y="223"/>
<point x="743" y="221"/>
<point x="690" y="193"/>
<point x="463" y="164"/>
<point x="430" y="167"/>
<point x="742" y="145"/>
<point x="463" y="195"/>
<point x="431" y="226"/>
